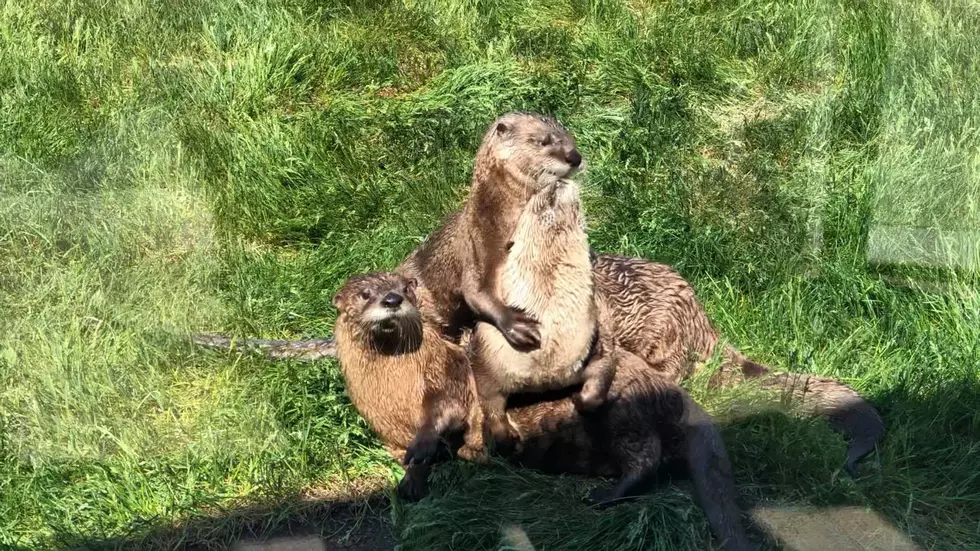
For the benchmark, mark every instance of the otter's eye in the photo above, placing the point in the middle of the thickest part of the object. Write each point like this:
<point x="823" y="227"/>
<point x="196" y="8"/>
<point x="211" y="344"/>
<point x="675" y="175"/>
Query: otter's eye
<point x="366" y="294"/>
<point x="546" y="141"/>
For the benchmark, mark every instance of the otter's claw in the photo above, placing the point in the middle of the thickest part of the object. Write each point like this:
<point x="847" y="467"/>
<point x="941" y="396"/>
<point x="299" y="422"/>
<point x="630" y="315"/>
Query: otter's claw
<point x="412" y="487"/>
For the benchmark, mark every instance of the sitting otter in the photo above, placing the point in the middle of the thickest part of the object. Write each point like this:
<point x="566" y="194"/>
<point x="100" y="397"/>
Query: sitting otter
<point x="416" y="391"/>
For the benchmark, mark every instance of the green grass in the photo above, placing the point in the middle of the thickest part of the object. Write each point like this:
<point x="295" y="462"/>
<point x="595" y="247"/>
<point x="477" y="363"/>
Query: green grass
<point x="168" y="167"/>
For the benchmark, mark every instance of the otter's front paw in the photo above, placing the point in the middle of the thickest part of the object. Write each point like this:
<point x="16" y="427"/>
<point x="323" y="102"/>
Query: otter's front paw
<point x="412" y="487"/>
<point x="520" y="330"/>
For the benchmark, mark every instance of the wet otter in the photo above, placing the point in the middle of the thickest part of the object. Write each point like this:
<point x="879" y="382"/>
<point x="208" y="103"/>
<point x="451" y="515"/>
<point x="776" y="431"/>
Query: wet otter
<point x="657" y="317"/>
<point x="459" y="263"/>
<point x="415" y="389"/>
<point x="547" y="274"/>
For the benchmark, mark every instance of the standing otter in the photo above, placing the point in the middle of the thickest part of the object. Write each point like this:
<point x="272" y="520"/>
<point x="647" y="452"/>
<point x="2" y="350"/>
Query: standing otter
<point x="460" y="262"/>
<point x="547" y="274"/>
<point x="415" y="390"/>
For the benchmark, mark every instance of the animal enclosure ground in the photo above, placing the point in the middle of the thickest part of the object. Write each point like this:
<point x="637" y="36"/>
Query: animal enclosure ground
<point x="169" y="167"/>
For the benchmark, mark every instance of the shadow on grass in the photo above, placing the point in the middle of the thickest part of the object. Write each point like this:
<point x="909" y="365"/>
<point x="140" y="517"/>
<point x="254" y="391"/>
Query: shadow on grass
<point x="297" y="523"/>
<point x="787" y="468"/>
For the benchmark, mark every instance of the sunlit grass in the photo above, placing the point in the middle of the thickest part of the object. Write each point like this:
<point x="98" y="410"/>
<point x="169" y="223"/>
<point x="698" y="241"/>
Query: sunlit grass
<point x="183" y="166"/>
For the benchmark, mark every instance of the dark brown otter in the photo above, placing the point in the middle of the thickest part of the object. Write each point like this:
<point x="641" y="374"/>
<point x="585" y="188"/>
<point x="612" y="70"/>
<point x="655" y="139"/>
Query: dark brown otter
<point x="657" y="316"/>
<point x="459" y="263"/>
<point x="416" y="391"/>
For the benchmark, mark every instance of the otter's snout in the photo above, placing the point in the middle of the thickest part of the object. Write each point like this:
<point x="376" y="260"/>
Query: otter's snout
<point x="392" y="300"/>
<point x="574" y="158"/>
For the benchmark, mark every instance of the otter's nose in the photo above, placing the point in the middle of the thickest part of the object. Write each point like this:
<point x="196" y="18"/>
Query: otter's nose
<point x="574" y="158"/>
<point x="392" y="300"/>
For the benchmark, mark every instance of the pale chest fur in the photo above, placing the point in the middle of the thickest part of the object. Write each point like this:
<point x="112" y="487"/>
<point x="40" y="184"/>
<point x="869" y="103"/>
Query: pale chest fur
<point x="558" y="292"/>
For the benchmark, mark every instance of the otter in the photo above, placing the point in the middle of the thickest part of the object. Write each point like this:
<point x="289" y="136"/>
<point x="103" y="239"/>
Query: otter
<point x="460" y="262"/>
<point x="547" y="274"/>
<point x="416" y="391"/>
<point x="656" y="315"/>
<point x="653" y="312"/>
<point x="413" y="392"/>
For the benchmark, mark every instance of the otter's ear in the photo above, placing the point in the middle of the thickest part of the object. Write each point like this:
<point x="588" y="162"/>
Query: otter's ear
<point x="502" y="128"/>
<point x="336" y="301"/>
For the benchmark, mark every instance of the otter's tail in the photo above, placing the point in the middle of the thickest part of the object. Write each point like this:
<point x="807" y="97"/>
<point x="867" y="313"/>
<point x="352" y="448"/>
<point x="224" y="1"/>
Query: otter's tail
<point x="307" y="351"/>
<point x="848" y="412"/>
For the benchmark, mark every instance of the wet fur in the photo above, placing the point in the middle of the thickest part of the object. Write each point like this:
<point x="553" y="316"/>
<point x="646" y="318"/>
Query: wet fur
<point x="656" y="316"/>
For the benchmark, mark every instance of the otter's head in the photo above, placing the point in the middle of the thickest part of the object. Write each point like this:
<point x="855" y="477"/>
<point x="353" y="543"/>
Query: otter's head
<point x="535" y="149"/>
<point x="381" y="309"/>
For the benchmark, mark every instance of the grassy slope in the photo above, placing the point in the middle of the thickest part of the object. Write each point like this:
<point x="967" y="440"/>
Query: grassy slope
<point x="188" y="165"/>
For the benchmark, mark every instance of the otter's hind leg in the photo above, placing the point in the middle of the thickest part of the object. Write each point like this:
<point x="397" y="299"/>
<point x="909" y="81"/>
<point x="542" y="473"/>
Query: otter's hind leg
<point x="499" y="431"/>
<point x="598" y="374"/>
<point x="597" y="377"/>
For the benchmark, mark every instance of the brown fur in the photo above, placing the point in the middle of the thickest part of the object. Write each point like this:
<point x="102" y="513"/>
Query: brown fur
<point x="657" y="316"/>
<point x="416" y="391"/>
<point x="547" y="274"/>
<point x="459" y="263"/>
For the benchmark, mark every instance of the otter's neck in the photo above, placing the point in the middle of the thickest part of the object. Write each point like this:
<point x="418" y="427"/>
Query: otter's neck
<point x="497" y="198"/>
<point x="361" y="356"/>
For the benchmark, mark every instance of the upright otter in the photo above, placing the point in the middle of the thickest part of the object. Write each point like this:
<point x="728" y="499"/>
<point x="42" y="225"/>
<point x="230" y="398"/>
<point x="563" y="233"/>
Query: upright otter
<point x="419" y="392"/>
<point x="415" y="389"/>
<point x="460" y="262"/>
<point x="547" y="274"/>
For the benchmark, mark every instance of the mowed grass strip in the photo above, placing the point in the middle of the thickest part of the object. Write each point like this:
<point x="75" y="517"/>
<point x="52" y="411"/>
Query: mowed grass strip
<point x="188" y="165"/>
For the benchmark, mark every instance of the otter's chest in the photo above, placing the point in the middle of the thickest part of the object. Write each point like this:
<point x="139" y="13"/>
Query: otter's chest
<point x="386" y="392"/>
<point x="559" y="295"/>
